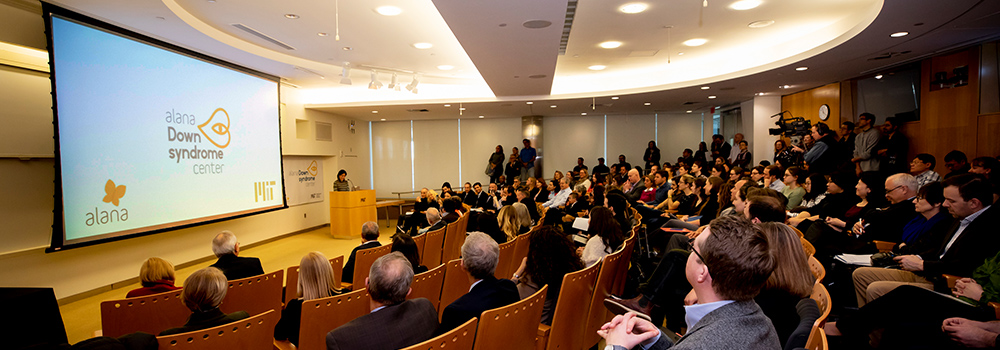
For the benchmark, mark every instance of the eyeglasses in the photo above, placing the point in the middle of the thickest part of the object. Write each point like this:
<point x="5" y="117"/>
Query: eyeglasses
<point x="893" y="189"/>
<point x="692" y="250"/>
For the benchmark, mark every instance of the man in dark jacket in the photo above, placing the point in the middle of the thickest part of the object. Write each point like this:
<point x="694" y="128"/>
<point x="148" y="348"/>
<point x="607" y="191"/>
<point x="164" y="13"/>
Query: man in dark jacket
<point x="480" y="255"/>
<point x="227" y="249"/>
<point x="823" y="157"/>
<point x="369" y="238"/>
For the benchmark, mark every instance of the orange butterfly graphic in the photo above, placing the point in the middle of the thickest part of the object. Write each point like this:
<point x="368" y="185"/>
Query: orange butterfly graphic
<point x="114" y="193"/>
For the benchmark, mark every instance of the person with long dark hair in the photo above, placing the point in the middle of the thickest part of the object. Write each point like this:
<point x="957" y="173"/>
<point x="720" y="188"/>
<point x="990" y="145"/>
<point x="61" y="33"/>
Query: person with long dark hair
<point x="605" y="236"/>
<point x="815" y="187"/>
<point x="551" y="255"/>
<point x="652" y="156"/>
<point x="495" y="166"/>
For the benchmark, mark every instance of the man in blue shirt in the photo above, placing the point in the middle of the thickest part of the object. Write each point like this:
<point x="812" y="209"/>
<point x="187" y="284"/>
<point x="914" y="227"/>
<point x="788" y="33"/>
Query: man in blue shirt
<point x="528" y="156"/>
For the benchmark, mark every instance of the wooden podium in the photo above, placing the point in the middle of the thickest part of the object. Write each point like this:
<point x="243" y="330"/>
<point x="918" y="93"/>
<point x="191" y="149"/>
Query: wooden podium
<point x="348" y="210"/>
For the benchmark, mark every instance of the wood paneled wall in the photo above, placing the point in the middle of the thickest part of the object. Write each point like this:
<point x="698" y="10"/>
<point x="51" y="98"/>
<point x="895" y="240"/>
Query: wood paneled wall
<point x="806" y="104"/>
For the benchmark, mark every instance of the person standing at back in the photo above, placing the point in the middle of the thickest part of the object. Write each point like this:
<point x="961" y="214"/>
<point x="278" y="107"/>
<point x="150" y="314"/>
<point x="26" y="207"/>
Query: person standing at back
<point x="528" y="156"/>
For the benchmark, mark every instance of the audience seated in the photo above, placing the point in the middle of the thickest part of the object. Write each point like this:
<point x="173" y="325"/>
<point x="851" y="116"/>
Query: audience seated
<point x="815" y="187"/>
<point x="605" y="236"/>
<point x="560" y="197"/>
<point x="480" y="255"/>
<point x="433" y="217"/>
<point x="551" y="255"/>
<point x="406" y="246"/>
<point x="523" y="217"/>
<point x="156" y="276"/>
<point x="315" y="281"/>
<point x="394" y="321"/>
<point x="203" y="293"/>
<point x="529" y="205"/>
<point x="927" y="229"/>
<point x="957" y="163"/>
<point x="829" y="238"/>
<point x="452" y="210"/>
<point x="503" y="228"/>
<point x="772" y="178"/>
<point x="965" y="246"/>
<point x="418" y="216"/>
<point x="725" y="317"/>
<point x="369" y="239"/>
<point x="794" y="177"/>
<point x="790" y="282"/>
<point x="227" y="249"/>
<point x="886" y="225"/>
<point x="840" y="196"/>
<point x="922" y="167"/>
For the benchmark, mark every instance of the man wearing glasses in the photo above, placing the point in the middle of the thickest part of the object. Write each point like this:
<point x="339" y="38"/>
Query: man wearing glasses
<point x="725" y="317"/>
<point x="887" y="224"/>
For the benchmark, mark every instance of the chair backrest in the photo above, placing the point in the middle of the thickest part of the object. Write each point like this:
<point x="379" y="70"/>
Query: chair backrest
<point x="428" y="285"/>
<point x="514" y="326"/>
<point x="292" y="277"/>
<point x="598" y="315"/>
<point x="432" y="247"/>
<point x="520" y="251"/>
<point x="808" y="313"/>
<point x="572" y="306"/>
<point x="884" y="246"/>
<point x="454" y="237"/>
<point x="456" y="284"/>
<point x="363" y="261"/>
<point x="461" y="338"/>
<point x="622" y="275"/>
<point x="817" y="268"/>
<point x="420" y="240"/>
<point x="807" y="247"/>
<point x="320" y="316"/>
<point x="823" y="300"/>
<point x="151" y="314"/>
<point x="253" y="333"/>
<point x="817" y="339"/>
<point x="255" y="295"/>
<point x="506" y="260"/>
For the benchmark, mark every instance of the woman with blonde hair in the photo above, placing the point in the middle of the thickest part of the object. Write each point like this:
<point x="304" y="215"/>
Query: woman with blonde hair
<point x="315" y="282"/>
<point x="157" y="276"/>
<point x="790" y="282"/>
<point x="523" y="217"/>
<point x="509" y="223"/>
<point x="203" y="293"/>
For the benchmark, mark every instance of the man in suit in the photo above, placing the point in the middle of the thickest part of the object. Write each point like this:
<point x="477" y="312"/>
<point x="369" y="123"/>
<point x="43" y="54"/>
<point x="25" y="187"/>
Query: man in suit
<point x="634" y="186"/>
<point x="227" y="249"/>
<point x="433" y="217"/>
<point x="971" y="240"/>
<point x="452" y="210"/>
<point x="887" y="225"/>
<point x="394" y="322"/>
<point x="522" y="196"/>
<point x="369" y="239"/>
<point x="725" y="315"/>
<point x="477" y="197"/>
<point x="480" y="255"/>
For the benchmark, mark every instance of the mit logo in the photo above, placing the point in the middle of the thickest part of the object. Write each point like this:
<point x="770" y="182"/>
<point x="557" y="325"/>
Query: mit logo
<point x="263" y="191"/>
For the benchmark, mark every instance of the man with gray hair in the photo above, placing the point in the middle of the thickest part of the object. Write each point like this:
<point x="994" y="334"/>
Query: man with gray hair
<point x="434" y="218"/>
<point x="394" y="322"/>
<point x="369" y="239"/>
<point x="480" y="254"/>
<point x="227" y="249"/>
<point x="887" y="224"/>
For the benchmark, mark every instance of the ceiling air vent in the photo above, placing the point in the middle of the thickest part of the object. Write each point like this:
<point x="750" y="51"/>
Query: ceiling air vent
<point x="888" y="55"/>
<point x="567" y="26"/>
<point x="263" y="36"/>
<point x="689" y="103"/>
<point x="422" y="110"/>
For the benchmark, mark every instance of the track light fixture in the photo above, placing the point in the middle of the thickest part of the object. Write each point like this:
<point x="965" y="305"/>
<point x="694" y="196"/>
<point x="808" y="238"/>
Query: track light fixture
<point x="345" y="74"/>
<point x="394" y="83"/>
<point x="374" y="84"/>
<point x="412" y="86"/>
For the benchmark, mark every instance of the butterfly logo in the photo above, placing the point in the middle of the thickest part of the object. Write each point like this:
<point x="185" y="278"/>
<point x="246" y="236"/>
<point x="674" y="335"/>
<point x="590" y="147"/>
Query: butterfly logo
<point x="218" y="132"/>
<point x="313" y="168"/>
<point x="113" y="193"/>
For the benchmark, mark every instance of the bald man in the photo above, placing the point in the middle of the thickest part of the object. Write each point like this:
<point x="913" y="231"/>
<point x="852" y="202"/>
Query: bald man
<point x="634" y="186"/>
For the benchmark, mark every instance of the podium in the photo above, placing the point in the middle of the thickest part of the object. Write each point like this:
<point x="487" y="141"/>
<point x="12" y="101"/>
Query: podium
<point x="348" y="210"/>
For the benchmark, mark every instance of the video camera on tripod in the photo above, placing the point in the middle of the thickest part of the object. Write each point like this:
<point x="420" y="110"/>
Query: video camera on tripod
<point x="792" y="127"/>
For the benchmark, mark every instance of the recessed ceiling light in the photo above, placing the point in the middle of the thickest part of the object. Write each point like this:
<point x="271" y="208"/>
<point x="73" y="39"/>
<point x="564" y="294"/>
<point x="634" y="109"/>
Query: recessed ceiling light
<point x="610" y="44"/>
<point x="635" y="7"/>
<point x="388" y="10"/>
<point x="760" y="94"/>
<point x="744" y="4"/>
<point x="614" y="97"/>
<point x="446" y="67"/>
<point x="597" y="67"/>
<point x="481" y="117"/>
<point x="784" y="86"/>
<point x="689" y="111"/>
<point x="447" y="105"/>
<point x="423" y="45"/>
<point x="760" y="24"/>
<point x="348" y="48"/>
<point x="801" y="68"/>
<point x="322" y="34"/>
<point x="695" y="42"/>
<point x="680" y="54"/>
<point x="647" y="104"/>
<point x="899" y="34"/>
<point x="291" y="16"/>
<point x="552" y="106"/>
<point x="584" y="113"/>
<point x="705" y="88"/>
<point x="878" y="76"/>
<point x="529" y="103"/>
<point x="383" y="119"/>
<point x="374" y="112"/>
<point x="461" y="108"/>
<point x="710" y="97"/>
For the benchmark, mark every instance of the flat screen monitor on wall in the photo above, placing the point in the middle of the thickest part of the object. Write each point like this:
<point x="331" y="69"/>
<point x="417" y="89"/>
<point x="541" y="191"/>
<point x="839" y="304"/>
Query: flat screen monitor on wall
<point x="152" y="137"/>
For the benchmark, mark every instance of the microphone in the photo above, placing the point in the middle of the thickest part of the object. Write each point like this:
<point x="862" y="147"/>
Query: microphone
<point x="351" y="183"/>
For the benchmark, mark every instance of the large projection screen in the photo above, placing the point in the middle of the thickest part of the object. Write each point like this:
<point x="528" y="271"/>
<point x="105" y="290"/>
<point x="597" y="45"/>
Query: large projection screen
<point x="151" y="137"/>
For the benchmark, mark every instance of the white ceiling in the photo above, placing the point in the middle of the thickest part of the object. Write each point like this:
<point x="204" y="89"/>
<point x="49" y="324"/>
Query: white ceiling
<point x="495" y="56"/>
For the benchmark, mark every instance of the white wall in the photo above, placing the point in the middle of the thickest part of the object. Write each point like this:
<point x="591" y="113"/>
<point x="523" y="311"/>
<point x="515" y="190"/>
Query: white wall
<point x="480" y="138"/>
<point x="763" y="108"/>
<point x="567" y="138"/>
<point x="436" y="155"/>
<point x="677" y="132"/>
<point x="630" y="135"/>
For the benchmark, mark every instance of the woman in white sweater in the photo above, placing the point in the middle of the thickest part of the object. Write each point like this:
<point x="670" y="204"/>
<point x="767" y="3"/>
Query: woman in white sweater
<point x="605" y="236"/>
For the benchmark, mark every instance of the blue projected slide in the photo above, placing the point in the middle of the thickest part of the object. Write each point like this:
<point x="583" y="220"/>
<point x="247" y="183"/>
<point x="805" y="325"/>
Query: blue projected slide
<point x="150" y="139"/>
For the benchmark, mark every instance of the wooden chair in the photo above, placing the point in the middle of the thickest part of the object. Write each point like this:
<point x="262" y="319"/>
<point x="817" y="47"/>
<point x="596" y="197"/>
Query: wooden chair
<point x="884" y="246"/>
<point x="504" y="269"/>
<point x="817" y="269"/>
<point x="461" y="338"/>
<point x="428" y="285"/>
<point x="952" y="279"/>
<point x="420" y="240"/>
<point x="822" y="298"/>
<point x="454" y="237"/>
<point x="254" y="333"/>
<point x="363" y="261"/>
<point x="808" y="247"/>
<point x="292" y="277"/>
<point x="255" y="295"/>
<point x="520" y="251"/>
<point x="432" y="247"/>
<point x="320" y="316"/>
<point x="456" y="284"/>
<point x="622" y="275"/>
<point x="598" y="315"/>
<point x="513" y="326"/>
<point x="151" y="314"/>
<point x="572" y="306"/>
<point x="817" y="340"/>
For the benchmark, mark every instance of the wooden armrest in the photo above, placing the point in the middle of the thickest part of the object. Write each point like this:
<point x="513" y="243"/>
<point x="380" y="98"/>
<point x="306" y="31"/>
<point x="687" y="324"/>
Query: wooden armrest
<point x="346" y="285"/>
<point x="283" y="345"/>
<point x="542" y="338"/>
<point x="543" y="330"/>
<point x="996" y="309"/>
<point x="884" y="246"/>
<point x="671" y="211"/>
<point x="951" y="280"/>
